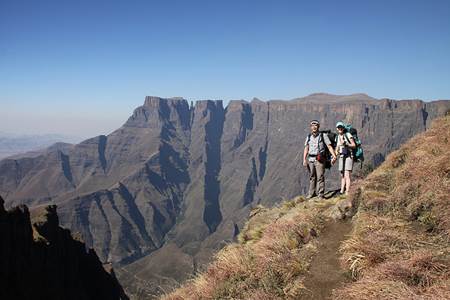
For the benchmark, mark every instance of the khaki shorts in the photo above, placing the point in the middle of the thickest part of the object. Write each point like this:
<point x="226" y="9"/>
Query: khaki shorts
<point x="345" y="163"/>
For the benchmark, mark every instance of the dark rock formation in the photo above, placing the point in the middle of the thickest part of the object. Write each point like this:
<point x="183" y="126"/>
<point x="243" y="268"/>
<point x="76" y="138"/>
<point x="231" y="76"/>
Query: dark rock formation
<point x="175" y="182"/>
<point x="40" y="260"/>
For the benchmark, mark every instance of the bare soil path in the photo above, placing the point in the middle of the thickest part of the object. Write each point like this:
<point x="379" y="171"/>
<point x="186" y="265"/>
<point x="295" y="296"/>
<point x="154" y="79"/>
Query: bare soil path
<point x="326" y="273"/>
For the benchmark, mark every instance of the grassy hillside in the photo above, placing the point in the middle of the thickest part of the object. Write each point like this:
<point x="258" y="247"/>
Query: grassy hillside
<point x="398" y="246"/>
<point x="271" y="259"/>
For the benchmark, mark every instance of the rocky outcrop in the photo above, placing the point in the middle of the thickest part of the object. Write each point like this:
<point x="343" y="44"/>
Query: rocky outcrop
<point x="40" y="260"/>
<point x="182" y="177"/>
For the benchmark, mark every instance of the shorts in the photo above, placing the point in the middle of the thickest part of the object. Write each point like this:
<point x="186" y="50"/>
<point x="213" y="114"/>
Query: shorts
<point x="345" y="163"/>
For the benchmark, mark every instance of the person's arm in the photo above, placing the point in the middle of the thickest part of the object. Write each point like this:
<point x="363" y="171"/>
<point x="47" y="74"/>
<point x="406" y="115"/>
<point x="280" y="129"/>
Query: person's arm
<point x="333" y="153"/>
<point x="336" y="150"/>
<point x="330" y="148"/>
<point x="352" y="142"/>
<point x="305" y="155"/>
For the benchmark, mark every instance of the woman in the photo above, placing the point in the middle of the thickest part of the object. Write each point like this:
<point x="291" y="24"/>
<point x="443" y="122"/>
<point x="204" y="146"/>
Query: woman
<point x="344" y="146"/>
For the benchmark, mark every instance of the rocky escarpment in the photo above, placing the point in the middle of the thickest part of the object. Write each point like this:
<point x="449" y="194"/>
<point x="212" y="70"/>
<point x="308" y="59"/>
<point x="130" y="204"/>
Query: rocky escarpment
<point x="40" y="260"/>
<point x="176" y="181"/>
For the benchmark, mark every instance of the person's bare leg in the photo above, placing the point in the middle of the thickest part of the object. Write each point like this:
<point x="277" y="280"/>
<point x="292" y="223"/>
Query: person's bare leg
<point x="347" y="181"/>
<point x="342" y="183"/>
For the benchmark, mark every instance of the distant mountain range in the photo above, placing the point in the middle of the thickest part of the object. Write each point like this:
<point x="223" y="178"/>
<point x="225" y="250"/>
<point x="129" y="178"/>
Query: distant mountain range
<point x="14" y="144"/>
<point x="176" y="182"/>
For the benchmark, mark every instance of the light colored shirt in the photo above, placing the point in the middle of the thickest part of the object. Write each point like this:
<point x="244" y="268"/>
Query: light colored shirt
<point x="344" y="142"/>
<point x="315" y="146"/>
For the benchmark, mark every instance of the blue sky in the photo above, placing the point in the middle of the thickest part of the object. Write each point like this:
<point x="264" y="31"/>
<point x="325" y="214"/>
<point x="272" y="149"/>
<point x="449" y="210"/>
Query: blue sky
<point x="81" y="67"/>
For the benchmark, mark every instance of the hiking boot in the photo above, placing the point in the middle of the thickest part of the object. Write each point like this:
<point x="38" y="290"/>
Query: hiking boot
<point x="322" y="197"/>
<point x="310" y="196"/>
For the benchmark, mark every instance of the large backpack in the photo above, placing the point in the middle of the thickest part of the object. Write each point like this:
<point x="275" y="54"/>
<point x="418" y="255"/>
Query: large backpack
<point x="358" y="153"/>
<point x="323" y="148"/>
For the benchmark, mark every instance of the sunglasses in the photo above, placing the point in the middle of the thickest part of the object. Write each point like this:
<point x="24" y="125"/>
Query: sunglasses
<point x="340" y="127"/>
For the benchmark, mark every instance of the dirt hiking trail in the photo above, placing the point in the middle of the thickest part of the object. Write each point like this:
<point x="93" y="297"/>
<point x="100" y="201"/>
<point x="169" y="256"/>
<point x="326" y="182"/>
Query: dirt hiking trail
<point x="325" y="273"/>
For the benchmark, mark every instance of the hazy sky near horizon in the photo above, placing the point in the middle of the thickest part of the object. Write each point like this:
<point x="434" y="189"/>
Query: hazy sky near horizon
<point x="81" y="67"/>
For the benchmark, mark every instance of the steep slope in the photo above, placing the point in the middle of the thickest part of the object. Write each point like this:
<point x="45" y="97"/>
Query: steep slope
<point x="398" y="248"/>
<point x="274" y="256"/>
<point x="178" y="181"/>
<point x="400" y="244"/>
<point x="122" y="191"/>
<point x="41" y="260"/>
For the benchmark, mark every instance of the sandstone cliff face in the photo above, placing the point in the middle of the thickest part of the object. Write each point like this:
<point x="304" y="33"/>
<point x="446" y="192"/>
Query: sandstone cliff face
<point x="178" y="181"/>
<point x="43" y="261"/>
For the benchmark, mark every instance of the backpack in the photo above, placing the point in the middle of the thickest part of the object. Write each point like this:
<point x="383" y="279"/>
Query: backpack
<point x="323" y="149"/>
<point x="358" y="153"/>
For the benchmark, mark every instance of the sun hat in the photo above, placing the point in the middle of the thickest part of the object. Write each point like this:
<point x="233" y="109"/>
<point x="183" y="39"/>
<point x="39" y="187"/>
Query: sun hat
<point x="340" y="124"/>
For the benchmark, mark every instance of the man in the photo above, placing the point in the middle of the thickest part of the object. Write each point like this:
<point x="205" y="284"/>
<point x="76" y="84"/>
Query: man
<point x="314" y="159"/>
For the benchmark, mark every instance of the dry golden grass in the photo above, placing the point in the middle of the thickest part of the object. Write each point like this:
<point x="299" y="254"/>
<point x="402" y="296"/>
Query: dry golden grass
<point x="399" y="247"/>
<point x="269" y="262"/>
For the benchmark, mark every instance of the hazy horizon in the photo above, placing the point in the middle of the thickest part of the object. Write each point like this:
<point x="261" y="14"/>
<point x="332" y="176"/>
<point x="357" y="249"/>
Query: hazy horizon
<point x="80" y="68"/>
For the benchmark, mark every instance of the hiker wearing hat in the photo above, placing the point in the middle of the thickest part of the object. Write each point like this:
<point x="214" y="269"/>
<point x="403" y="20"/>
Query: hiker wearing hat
<point x="345" y="144"/>
<point x="314" y="159"/>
